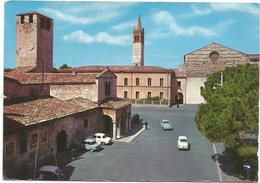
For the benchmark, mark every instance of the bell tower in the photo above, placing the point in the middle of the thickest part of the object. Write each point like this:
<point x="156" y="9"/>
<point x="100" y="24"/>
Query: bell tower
<point x="138" y="44"/>
<point x="34" y="47"/>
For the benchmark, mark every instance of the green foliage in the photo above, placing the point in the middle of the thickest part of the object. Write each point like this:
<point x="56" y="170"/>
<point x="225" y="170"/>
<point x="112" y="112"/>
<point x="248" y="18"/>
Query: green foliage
<point x="55" y="70"/>
<point x="231" y="109"/>
<point x="64" y="66"/>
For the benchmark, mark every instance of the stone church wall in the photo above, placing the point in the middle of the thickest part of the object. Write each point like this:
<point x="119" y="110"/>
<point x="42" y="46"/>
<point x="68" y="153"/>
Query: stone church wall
<point x="193" y="85"/>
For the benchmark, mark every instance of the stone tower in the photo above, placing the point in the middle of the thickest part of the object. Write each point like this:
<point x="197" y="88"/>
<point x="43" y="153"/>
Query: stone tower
<point x="34" y="46"/>
<point x="138" y="44"/>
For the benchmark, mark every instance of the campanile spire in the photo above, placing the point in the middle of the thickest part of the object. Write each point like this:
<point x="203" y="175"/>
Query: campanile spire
<point x="138" y="44"/>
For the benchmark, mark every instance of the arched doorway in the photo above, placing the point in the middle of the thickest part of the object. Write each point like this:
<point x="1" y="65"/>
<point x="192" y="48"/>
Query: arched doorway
<point x="61" y="142"/>
<point x="179" y="98"/>
<point x="108" y="126"/>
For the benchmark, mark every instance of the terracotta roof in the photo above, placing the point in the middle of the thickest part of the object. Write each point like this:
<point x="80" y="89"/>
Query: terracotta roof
<point x="115" y="103"/>
<point x="117" y="69"/>
<point x="37" y="111"/>
<point x="23" y="76"/>
<point x="254" y="56"/>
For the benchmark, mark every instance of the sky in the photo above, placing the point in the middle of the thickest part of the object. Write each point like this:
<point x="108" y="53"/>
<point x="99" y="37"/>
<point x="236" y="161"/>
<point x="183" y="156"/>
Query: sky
<point x="100" y="33"/>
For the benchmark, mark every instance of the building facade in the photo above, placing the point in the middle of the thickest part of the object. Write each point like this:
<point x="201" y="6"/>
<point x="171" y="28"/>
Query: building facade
<point x="200" y="64"/>
<point x="45" y="112"/>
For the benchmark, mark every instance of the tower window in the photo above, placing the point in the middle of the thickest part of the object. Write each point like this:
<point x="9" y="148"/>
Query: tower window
<point x="42" y="23"/>
<point x="48" y="24"/>
<point x="22" y="19"/>
<point x="30" y="18"/>
<point x="107" y="88"/>
<point x="138" y="38"/>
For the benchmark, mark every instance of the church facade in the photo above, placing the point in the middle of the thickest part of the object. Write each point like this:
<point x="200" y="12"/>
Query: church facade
<point x="200" y="64"/>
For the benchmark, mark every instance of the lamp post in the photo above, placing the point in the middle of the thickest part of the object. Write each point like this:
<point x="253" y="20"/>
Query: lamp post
<point x="219" y="84"/>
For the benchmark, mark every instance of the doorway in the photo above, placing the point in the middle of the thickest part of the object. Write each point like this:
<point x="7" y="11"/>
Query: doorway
<point x="61" y="142"/>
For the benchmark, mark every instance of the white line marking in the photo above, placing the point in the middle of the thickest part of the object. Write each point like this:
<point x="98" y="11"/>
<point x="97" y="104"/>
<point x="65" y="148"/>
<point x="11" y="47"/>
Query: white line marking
<point x="217" y="164"/>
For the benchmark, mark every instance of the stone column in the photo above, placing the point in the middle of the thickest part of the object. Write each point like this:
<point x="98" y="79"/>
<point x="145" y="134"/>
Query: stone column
<point x="114" y="130"/>
<point x="118" y="134"/>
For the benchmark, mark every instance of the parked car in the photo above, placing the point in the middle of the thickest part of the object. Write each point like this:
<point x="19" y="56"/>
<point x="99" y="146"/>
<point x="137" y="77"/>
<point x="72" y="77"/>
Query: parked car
<point x="165" y="124"/>
<point x="183" y="143"/>
<point x="89" y="144"/>
<point x="102" y="138"/>
<point x="50" y="172"/>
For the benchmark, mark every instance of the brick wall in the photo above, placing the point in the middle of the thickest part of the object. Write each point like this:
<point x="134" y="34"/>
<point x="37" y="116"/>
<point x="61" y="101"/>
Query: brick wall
<point x="13" y="89"/>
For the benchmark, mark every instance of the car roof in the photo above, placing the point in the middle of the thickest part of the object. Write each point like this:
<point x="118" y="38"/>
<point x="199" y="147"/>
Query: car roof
<point x="48" y="168"/>
<point x="182" y="137"/>
<point x="99" y="134"/>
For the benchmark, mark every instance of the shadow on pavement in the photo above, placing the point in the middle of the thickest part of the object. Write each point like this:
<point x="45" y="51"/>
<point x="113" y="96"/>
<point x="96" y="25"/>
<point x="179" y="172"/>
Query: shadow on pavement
<point x="226" y="164"/>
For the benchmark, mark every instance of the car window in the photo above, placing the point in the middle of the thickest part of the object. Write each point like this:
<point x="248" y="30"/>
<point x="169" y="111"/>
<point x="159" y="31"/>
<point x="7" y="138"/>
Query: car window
<point x="104" y="136"/>
<point x="183" y="140"/>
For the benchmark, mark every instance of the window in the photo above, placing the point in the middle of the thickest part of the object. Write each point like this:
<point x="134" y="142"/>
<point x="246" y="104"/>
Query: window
<point x="149" y="95"/>
<point x="42" y="23"/>
<point x="161" y="81"/>
<point x="179" y="84"/>
<point x="33" y="140"/>
<point x="23" y="146"/>
<point x="149" y="81"/>
<point x="161" y="95"/>
<point x="85" y="123"/>
<point x="137" y="95"/>
<point x="44" y="136"/>
<point x="125" y="95"/>
<point x="22" y="19"/>
<point x="30" y="18"/>
<point x="107" y="88"/>
<point x="10" y="149"/>
<point x="137" y="81"/>
<point x="48" y="24"/>
<point x="125" y="81"/>
<point x="138" y="38"/>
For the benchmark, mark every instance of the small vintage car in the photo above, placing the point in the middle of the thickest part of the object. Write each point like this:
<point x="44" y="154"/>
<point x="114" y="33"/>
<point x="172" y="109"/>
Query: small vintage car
<point x="49" y="172"/>
<point x="102" y="139"/>
<point x="88" y="144"/>
<point x="165" y="124"/>
<point x="183" y="143"/>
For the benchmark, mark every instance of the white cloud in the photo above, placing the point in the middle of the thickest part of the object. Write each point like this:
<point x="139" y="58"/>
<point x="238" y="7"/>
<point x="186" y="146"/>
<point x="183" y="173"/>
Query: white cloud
<point x="80" y="20"/>
<point x="166" y="20"/>
<point x="100" y="6"/>
<point x="197" y="12"/>
<point x="104" y="37"/>
<point x="123" y="26"/>
<point x="253" y="9"/>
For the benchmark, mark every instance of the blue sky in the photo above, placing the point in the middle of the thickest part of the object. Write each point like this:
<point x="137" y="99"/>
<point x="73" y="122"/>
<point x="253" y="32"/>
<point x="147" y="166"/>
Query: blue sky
<point x="100" y="33"/>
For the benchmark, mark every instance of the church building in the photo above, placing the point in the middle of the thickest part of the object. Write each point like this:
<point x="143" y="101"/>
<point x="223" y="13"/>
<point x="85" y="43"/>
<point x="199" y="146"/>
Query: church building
<point x="200" y="64"/>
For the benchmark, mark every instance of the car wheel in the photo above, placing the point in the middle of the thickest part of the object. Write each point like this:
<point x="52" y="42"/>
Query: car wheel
<point x="91" y="150"/>
<point x="102" y="143"/>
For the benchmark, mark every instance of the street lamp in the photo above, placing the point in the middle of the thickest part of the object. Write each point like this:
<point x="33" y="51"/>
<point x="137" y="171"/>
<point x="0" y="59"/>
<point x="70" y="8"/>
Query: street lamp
<point x="218" y="84"/>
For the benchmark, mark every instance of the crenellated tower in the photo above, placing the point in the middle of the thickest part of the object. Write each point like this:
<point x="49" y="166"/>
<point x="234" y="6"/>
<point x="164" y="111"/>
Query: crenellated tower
<point x="34" y="46"/>
<point x="138" y="44"/>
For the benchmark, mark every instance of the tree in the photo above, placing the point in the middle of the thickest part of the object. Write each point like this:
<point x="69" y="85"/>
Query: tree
<point x="64" y="66"/>
<point x="230" y="110"/>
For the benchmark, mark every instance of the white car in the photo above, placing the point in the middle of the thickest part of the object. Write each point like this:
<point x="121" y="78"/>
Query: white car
<point x="102" y="138"/>
<point x="183" y="143"/>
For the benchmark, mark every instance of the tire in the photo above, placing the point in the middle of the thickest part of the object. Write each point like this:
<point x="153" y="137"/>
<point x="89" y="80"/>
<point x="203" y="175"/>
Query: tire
<point x="102" y="143"/>
<point x="91" y="150"/>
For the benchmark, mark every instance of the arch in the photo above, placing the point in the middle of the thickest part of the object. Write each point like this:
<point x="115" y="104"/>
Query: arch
<point x="179" y="98"/>
<point x="61" y="142"/>
<point x="108" y="125"/>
